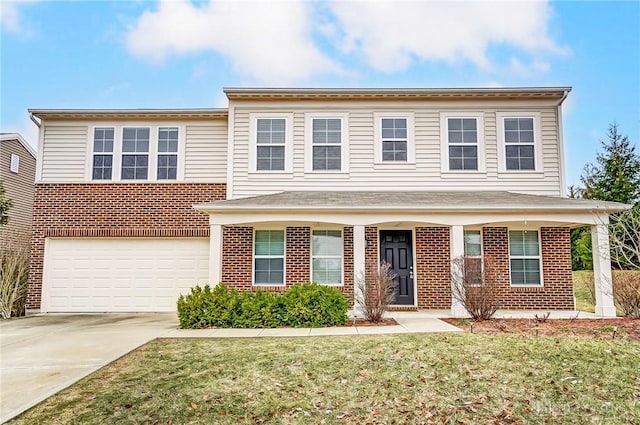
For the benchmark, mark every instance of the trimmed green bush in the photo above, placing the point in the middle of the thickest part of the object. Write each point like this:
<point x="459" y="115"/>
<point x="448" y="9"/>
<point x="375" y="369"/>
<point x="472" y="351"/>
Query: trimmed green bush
<point x="205" y="308"/>
<point x="305" y="305"/>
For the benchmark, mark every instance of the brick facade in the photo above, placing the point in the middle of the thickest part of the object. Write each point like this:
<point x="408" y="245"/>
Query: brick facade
<point x="433" y="268"/>
<point x="557" y="290"/>
<point x="115" y="210"/>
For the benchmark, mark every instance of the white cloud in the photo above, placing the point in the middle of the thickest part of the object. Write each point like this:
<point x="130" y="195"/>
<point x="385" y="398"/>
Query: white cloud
<point x="535" y="67"/>
<point x="390" y="36"/>
<point x="264" y="40"/>
<point x="10" y="19"/>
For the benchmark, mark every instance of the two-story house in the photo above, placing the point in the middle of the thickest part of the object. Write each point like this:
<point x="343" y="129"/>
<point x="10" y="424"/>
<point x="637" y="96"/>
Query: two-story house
<point x="285" y="186"/>
<point x="17" y="174"/>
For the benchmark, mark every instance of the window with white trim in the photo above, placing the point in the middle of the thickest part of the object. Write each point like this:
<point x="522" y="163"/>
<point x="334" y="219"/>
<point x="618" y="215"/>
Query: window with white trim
<point x="14" y="165"/>
<point x="135" y="153"/>
<point x="268" y="257"/>
<point x="326" y="144"/>
<point x="394" y="139"/>
<point x="524" y="257"/>
<point x="103" y="140"/>
<point x="473" y="256"/>
<point x="167" y="168"/>
<point x="271" y="136"/>
<point x="462" y="138"/>
<point x="326" y="257"/>
<point x="519" y="143"/>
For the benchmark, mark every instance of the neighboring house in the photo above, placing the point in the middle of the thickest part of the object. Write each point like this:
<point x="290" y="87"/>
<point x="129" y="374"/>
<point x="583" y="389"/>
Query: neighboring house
<point x="135" y="206"/>
<point x="17" y="173"/>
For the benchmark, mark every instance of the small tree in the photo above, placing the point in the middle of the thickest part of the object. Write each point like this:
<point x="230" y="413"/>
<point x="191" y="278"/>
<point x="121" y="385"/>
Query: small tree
<point x="5" y="204"/>
<point x="475" y="285"/>
<point x="375" y="291"/>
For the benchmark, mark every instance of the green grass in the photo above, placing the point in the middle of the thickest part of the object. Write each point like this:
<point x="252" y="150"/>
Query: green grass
<point x="582" y="288"/>
<point x="454" y="379"/>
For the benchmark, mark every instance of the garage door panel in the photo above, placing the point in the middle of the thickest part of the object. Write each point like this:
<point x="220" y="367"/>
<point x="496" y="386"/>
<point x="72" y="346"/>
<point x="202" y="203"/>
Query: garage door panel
<point x="120" y="274"/>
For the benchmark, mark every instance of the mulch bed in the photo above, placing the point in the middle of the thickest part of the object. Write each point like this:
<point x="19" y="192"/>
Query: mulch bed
<point x="624" y="328"/>
<point x="362" y="322"/>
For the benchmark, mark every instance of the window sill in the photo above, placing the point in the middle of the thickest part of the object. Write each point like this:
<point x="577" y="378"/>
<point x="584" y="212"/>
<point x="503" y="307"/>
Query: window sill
<point x="464" y="173"/>
<point x="393" y="165"/>
<point x="269" y="173"/>
<point x="527" y="288"/>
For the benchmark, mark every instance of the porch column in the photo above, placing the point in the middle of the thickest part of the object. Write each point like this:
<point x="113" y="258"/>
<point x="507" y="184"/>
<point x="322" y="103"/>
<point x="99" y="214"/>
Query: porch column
<point x="602" y="270"/>
<point x="215" y="254"/>
<point x="457" y="251"/>
<point x="359" y="245"/>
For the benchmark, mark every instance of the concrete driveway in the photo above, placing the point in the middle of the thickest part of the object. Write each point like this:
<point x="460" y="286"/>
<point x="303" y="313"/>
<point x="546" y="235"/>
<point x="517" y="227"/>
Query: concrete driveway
<point x="40" y="355"/>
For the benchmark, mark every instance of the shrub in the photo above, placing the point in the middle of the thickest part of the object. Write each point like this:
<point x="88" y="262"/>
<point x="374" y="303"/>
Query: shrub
<point x="313" y="305"/>
<point x="626" y="292"/>
<point x="375" y="291"/>
<point x="204" y="308"/>
<point x="14" y="268"/>
<point x="475" y="285"/>
<point x="305" y="305"/>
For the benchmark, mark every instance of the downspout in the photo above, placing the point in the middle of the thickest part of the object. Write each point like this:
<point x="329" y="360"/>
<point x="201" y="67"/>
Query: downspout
<point x="563" y="177"/>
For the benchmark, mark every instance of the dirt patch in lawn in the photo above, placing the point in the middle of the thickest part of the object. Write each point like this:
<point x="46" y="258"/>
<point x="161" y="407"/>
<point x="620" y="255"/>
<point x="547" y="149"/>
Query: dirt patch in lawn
<point x="625" y="328"/>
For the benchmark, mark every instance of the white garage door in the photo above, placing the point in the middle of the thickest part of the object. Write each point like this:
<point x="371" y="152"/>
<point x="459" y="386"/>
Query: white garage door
<point x="119" y="274"/>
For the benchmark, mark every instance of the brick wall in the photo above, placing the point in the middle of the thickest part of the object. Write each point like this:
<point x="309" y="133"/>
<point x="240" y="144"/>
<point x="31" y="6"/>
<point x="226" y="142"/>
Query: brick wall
<point x="237" y="257"/>
<point x="433" y="268"/>
<point x="557" y="290"/>
<point x="348" y="272"/>
<point x="298" y="255"/>
<point x="115" y="210"/>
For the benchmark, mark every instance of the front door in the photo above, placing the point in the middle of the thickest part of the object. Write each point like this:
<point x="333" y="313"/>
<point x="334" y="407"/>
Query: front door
<point x="396" y="249"/>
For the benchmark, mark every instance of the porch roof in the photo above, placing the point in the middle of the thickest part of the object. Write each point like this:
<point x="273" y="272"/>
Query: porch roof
<point x="434" y="201"/>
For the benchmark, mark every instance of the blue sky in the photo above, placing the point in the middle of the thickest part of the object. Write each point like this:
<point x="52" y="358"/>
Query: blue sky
<point x="173" y="54"/>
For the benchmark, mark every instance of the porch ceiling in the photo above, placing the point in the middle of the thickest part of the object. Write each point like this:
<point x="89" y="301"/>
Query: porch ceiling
<point x="413" y="201"/>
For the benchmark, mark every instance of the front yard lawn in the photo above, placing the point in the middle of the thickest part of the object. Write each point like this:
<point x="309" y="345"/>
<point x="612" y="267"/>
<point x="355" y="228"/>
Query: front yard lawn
<point x="452" y="379"/>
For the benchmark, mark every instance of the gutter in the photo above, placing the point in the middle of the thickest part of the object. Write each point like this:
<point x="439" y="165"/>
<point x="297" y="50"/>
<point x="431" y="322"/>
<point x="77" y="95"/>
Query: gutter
<point x="32" y="117"/>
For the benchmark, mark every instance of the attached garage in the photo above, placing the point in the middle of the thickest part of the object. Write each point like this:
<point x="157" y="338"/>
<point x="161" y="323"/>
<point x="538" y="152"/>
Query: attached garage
<point x="121" y="274"/>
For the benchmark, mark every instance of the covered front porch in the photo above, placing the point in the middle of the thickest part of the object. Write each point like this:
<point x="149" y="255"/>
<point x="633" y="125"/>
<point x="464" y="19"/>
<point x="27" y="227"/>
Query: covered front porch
<point x="422" y="233"/>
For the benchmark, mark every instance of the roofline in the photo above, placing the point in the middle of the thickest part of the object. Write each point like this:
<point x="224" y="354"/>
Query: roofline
<point x="558" y="93"/>
<point x="141" y="112"/>
<point x="19" y="138"/>
<point x="401" y="208"/>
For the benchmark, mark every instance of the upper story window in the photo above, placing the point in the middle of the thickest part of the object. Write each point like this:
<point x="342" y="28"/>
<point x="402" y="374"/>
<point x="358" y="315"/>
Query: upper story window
<point x="103" y="138"/>
<point x="462" y="141"/>
<point x="135" y="153"/>
<point x="394" y="138"/>
<point x="14" y="165"/>
<point x="326" y="139"/>
<point x="524" y="257"/>
<point x="167" y="153"/>
<point x="520" y="148"/>
<point x="270" y="144"/>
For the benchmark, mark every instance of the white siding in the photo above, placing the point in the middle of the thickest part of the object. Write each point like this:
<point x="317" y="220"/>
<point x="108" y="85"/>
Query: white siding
<point x="64" y="153"/>
<point x="206" y="152"/>
<point x="363" y="174"/>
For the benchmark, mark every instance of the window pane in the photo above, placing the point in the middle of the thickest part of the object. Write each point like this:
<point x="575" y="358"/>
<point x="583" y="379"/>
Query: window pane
<point x="526" y="123"/>
<point x="269" y="242"/>
<point x="327" y="242"/>
<point x="269" y="271"/>
<point x="470" y="137"/>
<point x="526" y="136"/>
<point x="394" y="151"/>
<point x="511" y="124"/>
<point x="455" y="124"/>
<point x="134" y="167"/>
<point x="455" y="136"/>
<point x="472" y="243"/>
<point x="511" y="136"/>
<point x="167" y="167"/>
<point x="270" y="158"/>
<point x="271" y="131"/>
<point x="455" y="164"/>
<point x="469" y="124"/>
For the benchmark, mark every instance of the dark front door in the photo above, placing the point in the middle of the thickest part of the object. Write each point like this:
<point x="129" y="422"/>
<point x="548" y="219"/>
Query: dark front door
<point x="396" y="249"/>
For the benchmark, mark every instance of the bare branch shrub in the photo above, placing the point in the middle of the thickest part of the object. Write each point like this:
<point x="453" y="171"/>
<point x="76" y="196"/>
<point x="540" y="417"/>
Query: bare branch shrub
<point x="14" y="268"/>
<point x="375" y="291"/>
<point x="624" y="237"/>
<point x="626" y="292"/>
<point x="475" y="285"/>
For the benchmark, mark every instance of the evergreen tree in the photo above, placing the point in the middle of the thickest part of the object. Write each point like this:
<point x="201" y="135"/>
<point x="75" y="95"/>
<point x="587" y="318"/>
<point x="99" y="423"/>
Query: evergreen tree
<point x="5" y="204"/>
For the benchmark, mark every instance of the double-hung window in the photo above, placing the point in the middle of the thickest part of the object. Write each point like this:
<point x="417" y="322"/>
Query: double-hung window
<point x="326" y="142"/>
<point x="519" y="143"/>
<point x="167" y="153"/>
<point x="462" y="135"/>
<point x="326" y="261"/>
<point x="271" y="139"/>
<point x="135" y="153"/>
<point x="394" y="139"/>
<point x="103" y="138"/>
<point x="524" y="257"/>
<point x="268" y="257"/>
<point x="473" y="256"/>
